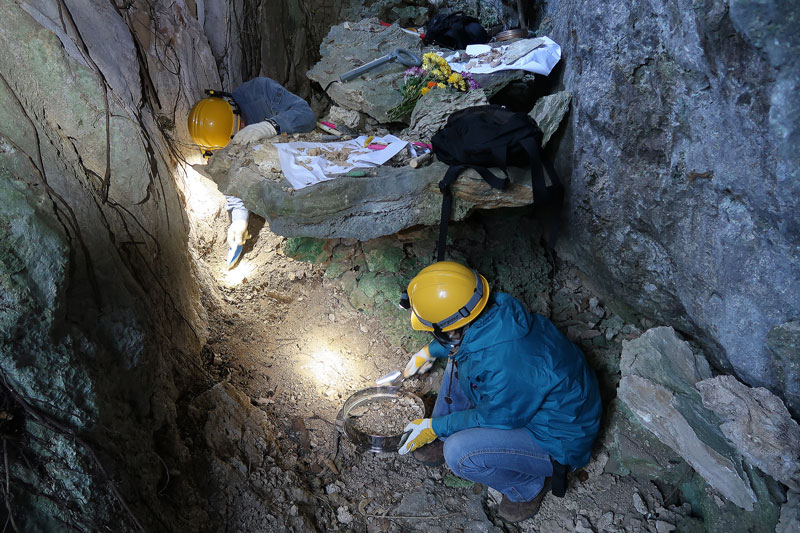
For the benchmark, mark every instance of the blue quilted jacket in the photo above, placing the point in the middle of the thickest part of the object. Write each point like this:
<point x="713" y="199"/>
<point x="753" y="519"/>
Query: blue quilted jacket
<point x="520" y="371"/>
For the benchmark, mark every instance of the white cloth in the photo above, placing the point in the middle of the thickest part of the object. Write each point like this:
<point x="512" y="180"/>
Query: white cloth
<point x="302" y="169"/>
<point x="540" y="60"/>
<point x="254" y="132"/>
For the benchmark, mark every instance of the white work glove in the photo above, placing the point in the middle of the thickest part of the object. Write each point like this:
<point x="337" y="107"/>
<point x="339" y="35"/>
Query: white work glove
<point x="421" y="433"/>
<point x="421" y="362"/>
<point x="237" y="233"/>
<point x="254" y="132"/>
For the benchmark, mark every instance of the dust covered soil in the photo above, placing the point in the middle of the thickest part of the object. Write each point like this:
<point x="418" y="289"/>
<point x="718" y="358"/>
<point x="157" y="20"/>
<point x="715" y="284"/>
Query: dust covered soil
<point x="291" y="341"/>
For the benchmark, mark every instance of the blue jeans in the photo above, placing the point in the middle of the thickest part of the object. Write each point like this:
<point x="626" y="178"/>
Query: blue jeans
<point x="508" y="460"/>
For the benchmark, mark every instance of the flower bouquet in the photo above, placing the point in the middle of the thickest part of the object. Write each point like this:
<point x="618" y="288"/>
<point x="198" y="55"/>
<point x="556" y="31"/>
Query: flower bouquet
<point x="434" y="73"/>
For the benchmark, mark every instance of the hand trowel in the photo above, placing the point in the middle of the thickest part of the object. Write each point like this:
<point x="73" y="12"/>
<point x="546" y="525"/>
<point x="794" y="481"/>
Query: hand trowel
<point x="392" y="379"/>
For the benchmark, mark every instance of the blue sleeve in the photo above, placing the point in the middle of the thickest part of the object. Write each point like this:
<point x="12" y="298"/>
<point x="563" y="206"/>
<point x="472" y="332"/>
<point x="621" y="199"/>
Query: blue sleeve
<point x="263" y="98"/>
<point x="437" y="350"/>
<point x="295" y="115"/>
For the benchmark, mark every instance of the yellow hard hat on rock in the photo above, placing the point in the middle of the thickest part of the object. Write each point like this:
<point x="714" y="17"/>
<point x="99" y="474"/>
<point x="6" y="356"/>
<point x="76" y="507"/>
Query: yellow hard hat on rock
<point x="446" y="296"/>
<point x="211" y="122"/>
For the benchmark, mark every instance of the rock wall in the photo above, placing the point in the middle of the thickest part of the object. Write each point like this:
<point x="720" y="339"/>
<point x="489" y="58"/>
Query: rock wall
<point x="100" y="321"/>
<point x="682" y="156"/>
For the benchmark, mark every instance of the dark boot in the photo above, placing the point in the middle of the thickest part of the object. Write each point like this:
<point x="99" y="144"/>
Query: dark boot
<point x="431" y="454"/>
<point x="519" y="511"/>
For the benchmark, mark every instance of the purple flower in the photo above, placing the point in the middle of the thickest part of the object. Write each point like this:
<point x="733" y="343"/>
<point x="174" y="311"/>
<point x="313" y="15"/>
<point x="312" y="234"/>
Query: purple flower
<point x="471" y="83"/>
<point x="414" y="71"/>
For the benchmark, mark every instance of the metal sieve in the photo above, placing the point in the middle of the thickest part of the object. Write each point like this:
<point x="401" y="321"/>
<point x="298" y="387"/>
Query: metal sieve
<point x="364" y="441"/>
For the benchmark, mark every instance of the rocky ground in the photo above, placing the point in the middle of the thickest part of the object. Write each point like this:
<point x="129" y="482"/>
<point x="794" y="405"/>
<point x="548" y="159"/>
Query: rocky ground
<point x="289" y="337"/>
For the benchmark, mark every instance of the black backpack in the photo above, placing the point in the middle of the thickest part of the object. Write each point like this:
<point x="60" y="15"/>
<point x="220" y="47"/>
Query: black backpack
<point x="455" y="31"/>
<point x="493" y="136"/>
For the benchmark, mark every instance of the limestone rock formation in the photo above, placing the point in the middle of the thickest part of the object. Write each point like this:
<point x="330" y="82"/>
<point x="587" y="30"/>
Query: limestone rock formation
<point x="433" y="109"/>
<point x="549" y="111"/>
<point x="758" y="424"/>
<point x="100" y="321"/>
<point x="352" y="44"/>
<point x="682" y="148"/>
<point x="390" y="200"/>
<point x="790" y="514"/>
<point x="784" y="345"/>
<point x="659" y="372"/>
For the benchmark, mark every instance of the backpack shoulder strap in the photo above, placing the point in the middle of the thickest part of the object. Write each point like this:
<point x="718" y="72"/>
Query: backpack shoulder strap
<point x="447" y="198"/>
<point x="552" y="194"/>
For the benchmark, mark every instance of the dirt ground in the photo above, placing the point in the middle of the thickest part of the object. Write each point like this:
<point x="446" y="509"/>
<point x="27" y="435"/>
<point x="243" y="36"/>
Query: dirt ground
<point x="292" y="342"/>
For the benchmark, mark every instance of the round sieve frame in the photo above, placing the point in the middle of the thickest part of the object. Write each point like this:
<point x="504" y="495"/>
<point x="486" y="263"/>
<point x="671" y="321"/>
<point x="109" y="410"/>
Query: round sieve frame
<point x="364" y="441"/>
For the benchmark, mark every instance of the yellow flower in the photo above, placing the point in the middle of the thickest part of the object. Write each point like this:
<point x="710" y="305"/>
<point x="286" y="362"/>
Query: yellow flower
<point x="436" y="64"/>
<point x="440" y="85"/>
<point x="424" y="90"/>
<point x="454" y="78"/>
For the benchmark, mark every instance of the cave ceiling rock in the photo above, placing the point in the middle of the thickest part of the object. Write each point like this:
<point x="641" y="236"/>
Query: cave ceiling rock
<point x="659" y="372"/>
<point x="682" y="157"/>
<point x="364" y="208"/>
<point x="758" y="424"/>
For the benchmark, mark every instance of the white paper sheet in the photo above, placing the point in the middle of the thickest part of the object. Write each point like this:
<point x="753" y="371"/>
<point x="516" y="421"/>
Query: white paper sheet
<point x="540" y="60"/>
<point x="302" y="170"/>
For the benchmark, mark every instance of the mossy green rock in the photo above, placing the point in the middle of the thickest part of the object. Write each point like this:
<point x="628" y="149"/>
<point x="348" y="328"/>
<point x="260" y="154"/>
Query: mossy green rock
<point x="385" y="258"/>
<point x="720" y="516"/>
<point x="306" y="249"/>
<point x="637" y="452"/>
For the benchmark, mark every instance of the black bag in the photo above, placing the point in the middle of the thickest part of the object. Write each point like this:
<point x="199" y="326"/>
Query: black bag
<point x="455" y="31"/>
<point x="493" y="136"/>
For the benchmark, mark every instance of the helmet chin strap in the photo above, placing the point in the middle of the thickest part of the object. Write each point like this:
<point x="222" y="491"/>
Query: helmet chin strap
<point x="453" y="345"/>
<point x="447" y="340"/>
<point x="444" y="339"/>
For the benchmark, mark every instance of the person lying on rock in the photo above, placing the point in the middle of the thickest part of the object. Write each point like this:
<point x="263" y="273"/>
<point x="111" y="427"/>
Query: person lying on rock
<point x="518" y="404"/>
<point x="265" y="109"/>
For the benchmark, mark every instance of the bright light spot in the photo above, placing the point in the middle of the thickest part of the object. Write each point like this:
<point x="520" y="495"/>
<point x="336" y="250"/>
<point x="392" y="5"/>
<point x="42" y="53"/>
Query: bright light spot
<point x="239" y="273"/>
<point x="327" y="367"/>
<point x="332" y="370"/>
<point x="203" y="199"/>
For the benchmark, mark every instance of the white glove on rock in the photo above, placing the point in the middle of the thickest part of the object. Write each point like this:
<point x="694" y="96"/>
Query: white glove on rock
<point x="421" y="362"/>
<point x="254" y="132"/>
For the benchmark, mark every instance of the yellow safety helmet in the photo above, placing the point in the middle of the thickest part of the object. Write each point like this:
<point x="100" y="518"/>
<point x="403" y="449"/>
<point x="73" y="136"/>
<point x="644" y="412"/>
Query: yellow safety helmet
<point x="446" y="296"/>
<point x="211" y="122"/>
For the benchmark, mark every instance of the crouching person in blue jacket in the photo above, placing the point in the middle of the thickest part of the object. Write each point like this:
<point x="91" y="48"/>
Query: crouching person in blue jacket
<point x="518" y="404"/>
